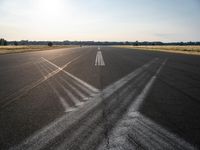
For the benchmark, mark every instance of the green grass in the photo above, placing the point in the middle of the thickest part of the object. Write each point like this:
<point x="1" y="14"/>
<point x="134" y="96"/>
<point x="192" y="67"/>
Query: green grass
<point x="194" y="50"/>
<point x="30" y="48"/>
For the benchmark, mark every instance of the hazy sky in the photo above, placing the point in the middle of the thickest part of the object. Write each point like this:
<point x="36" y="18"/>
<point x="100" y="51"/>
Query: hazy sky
<point x="112" y="20"/>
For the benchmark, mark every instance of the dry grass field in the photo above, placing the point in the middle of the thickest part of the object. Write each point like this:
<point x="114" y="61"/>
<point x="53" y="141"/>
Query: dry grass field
<point x="195" y="50"/>
<point x="30" y="48"/>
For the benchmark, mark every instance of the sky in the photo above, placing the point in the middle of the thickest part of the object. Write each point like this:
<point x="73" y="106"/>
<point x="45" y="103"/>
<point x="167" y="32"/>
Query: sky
<point x="100" y="20"/>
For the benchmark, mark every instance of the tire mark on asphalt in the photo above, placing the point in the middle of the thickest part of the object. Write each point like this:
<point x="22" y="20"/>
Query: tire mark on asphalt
<point x="15" y="96"/>
<point x="94" y="125"/>
<point x="73" y="77"/>
<point x="98" y="120"/>
<point x="71" y="121"/>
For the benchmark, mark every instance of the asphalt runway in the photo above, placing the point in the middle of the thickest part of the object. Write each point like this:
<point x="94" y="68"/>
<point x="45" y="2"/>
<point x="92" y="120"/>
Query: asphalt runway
<point x="99" y="98"/>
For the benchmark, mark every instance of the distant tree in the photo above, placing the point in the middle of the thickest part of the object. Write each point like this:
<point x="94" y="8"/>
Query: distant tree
<point x="136" y="43"/>
<point x="24" y="42"/>
<point x="50" y="44"/>
<point x="3" y="42"/>
<point x="127" y="43"/>
<point x="15" y="43"/>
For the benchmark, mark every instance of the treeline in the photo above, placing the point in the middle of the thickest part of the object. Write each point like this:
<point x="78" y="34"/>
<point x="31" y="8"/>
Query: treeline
<point x="84" y="43"/>
<point x="3" y="42"/>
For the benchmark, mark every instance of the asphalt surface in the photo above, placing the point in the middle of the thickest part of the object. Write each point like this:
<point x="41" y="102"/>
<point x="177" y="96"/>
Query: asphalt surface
<point x="99" y="98"/>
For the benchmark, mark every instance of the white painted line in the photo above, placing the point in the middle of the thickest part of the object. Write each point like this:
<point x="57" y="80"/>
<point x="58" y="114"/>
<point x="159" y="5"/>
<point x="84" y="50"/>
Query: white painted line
<point x="60" y="68"/>
<point x="42" y="137"/>
<point x="65" y="105"/>
<point x="158" y="71"/>
<point x="139" y="100"/>
<point x="99" y="59"/>
<point x="84" y="97"/>
<point x="90" y="92"/>
<point x="127" y="122"/>
<point x="78" y="132"/>
<point x="15" y="96"/>
<point x="118" y="84"/>
<point x="71" y="96"/>
<point x="148" y="133"/>
<point x="85" y="89"/>
<point x="90" y="87"/>
<point x="73" y="77"/>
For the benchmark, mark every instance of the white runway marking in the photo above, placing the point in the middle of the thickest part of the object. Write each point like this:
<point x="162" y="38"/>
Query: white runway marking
<point x="15" y="96"/>
<point x="120" y="83"/>
<point x="73" y="77"/>
<point x="66" y="106"/>
<point x="83" y="97"/>
<point x="71" y="95"/>
<point x="138" y="101"/>
<point x="146" y="132"/>
<point x="43" y="136"/>
<point x="99" y="59"/>
<point x="159" y="135"/>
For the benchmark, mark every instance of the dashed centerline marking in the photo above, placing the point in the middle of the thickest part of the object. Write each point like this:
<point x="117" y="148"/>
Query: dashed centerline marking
<point x="99" y="59"/>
